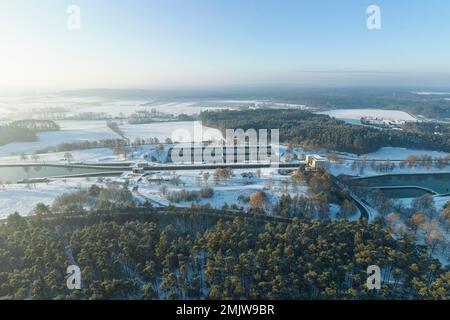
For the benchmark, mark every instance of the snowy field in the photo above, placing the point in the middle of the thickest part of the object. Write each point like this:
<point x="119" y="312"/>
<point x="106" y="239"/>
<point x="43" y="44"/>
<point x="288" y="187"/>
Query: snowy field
<point x="29" y="106"/>
<point x="22" y="198"/>
<point x="19" y="198"/>
<point x="71" y="131"/>
<point x="180" y="131"/>
<point x="386" y="153"/>
<point x="431" y="93"/>
<point x="225" y="191"/>
<point x="357" y="114"/>
<point x="402" y="153"/>
<point x="439" y="202"/>
<point x="435" y="224"/>
<point x="346" y="168"/>
<point x="96" y="155"/>
<point x="123" y="108"/>
<point x="5" y="110"/>
<point x="189" y="108"/>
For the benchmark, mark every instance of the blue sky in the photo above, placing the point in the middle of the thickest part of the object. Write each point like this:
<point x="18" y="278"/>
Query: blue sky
<point x="194" y="43"/>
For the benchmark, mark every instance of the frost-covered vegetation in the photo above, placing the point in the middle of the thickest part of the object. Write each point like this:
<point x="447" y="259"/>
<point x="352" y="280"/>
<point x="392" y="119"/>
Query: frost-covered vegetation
<point x="320" y="131"/>
<point x="186" y="195"/>
<point x="165" y="235"/>
<point x="197" y="254"/>
<point x="25" y="130"/>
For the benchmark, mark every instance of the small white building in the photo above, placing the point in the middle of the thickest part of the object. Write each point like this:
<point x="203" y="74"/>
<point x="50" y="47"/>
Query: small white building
<point x="315" y="161"/>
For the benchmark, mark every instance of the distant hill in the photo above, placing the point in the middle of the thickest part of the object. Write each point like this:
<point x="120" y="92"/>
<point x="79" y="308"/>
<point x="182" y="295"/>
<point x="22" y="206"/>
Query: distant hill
<point x="394" y="98"/>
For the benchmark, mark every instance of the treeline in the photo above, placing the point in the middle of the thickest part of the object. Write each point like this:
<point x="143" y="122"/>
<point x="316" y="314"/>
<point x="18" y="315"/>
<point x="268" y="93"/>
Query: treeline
<point x="96" y="198"/>
<point x="428" y="127"/>
<point x="321" y="131"/>
<point x="106" y="143"/>
<point x="11" y="133"/>
<point x="148" y="117"/>
<point x="420" y="161"/>
<point x="430" y="106"/>
<point x="184" y="255"/>
<point x="324" y="191"/>
<point x="25" y="130"/>
<point x="190" y="195"/>
<point x="37" y="125"/>
<point x="85" y="144"/>
<point x="89" y="116"/>
<point x="115" y="128"/>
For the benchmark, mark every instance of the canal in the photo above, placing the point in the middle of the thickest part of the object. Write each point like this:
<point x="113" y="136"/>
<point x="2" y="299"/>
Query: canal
<point x="15" y="173"/>
<point x="408" y="185"/>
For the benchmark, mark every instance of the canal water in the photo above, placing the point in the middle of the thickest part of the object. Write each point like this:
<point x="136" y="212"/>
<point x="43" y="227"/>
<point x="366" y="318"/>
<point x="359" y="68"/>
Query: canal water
<point x="14" y="174"/>
<point x="438" y="182"/>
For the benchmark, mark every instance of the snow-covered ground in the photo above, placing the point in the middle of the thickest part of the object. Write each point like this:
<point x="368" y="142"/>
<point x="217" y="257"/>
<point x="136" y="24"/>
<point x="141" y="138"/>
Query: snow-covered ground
<point x="443" y="252"/>
<point x="126" y="109"/>
<point x="349" y="169"/>
<point x="386" y="153"/>
<point x="402" y="153"/>
<point x="30" y="106"/>
<point x="334" y="213"/>
<point x="439" y="202"/>
<point x="180" y="131"/>
<point x="431" y="93"/>
<point x="71" y="131"/>
<point x="189" y="108"/>
<point x="23" y="198"/>
<point x="225" y="191"/>
<point x="357" y="114"/>
<point x="223" y="194"/>
<point x="96" y="155"/>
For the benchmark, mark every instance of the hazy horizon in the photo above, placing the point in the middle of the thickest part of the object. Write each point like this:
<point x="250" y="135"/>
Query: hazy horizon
<point x="213" y="44"/>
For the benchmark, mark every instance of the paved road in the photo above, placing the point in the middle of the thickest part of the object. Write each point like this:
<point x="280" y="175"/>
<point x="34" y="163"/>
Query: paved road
<point x="363" y="207"/>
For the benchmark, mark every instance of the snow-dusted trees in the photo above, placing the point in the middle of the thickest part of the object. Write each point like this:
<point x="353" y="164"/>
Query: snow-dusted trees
<point x="185" y="253"/>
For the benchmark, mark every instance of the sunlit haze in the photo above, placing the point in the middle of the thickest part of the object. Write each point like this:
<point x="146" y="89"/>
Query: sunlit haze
<point x="175" y="43"/>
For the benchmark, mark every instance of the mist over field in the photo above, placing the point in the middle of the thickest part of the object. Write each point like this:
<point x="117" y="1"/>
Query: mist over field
<point x="238" y="151"/>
